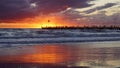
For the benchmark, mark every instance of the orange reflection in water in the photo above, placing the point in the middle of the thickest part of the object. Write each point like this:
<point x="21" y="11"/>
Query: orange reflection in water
<point x="42" y="58"/>
<point x="39" y="54"/>
<point x="60" y="54"/>
<point x="48" y="54"/>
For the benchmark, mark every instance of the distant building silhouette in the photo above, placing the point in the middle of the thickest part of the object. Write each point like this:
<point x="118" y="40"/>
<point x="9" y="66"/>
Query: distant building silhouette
<point x="84" y="27"/>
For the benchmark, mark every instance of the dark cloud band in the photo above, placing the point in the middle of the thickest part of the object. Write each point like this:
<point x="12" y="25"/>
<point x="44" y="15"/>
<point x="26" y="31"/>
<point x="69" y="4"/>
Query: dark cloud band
<point x="18" y="9"/>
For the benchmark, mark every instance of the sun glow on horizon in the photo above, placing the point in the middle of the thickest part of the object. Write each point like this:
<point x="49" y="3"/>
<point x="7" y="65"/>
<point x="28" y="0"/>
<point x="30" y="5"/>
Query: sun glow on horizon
<point x="53" y="21"/>
<point x="39" y="22"/>
<point x="48" y="25"/>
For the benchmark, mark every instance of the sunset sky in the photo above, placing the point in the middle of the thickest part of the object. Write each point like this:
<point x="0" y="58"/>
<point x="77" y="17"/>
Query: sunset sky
<point x="36" y="13"/>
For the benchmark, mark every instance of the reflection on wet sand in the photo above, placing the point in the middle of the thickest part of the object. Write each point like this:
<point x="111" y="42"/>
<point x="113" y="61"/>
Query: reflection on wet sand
<point x="40" y="54"/>
<point x="61" y="54"/>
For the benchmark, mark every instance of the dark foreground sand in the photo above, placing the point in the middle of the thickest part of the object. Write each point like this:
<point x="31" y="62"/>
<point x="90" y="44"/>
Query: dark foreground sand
<point x="35" y="65"/>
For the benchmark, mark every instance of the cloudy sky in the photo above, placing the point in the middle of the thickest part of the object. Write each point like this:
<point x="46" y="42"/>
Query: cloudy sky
<point x="36" y="13"/>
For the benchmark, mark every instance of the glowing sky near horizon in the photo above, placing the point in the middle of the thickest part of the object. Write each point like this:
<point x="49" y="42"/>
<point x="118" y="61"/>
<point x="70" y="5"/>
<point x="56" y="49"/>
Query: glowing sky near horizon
<point x="36" y="13"/>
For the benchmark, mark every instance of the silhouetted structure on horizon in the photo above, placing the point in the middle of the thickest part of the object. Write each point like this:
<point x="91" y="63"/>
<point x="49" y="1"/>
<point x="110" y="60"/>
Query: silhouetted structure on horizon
<point x="84" y="27"/>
